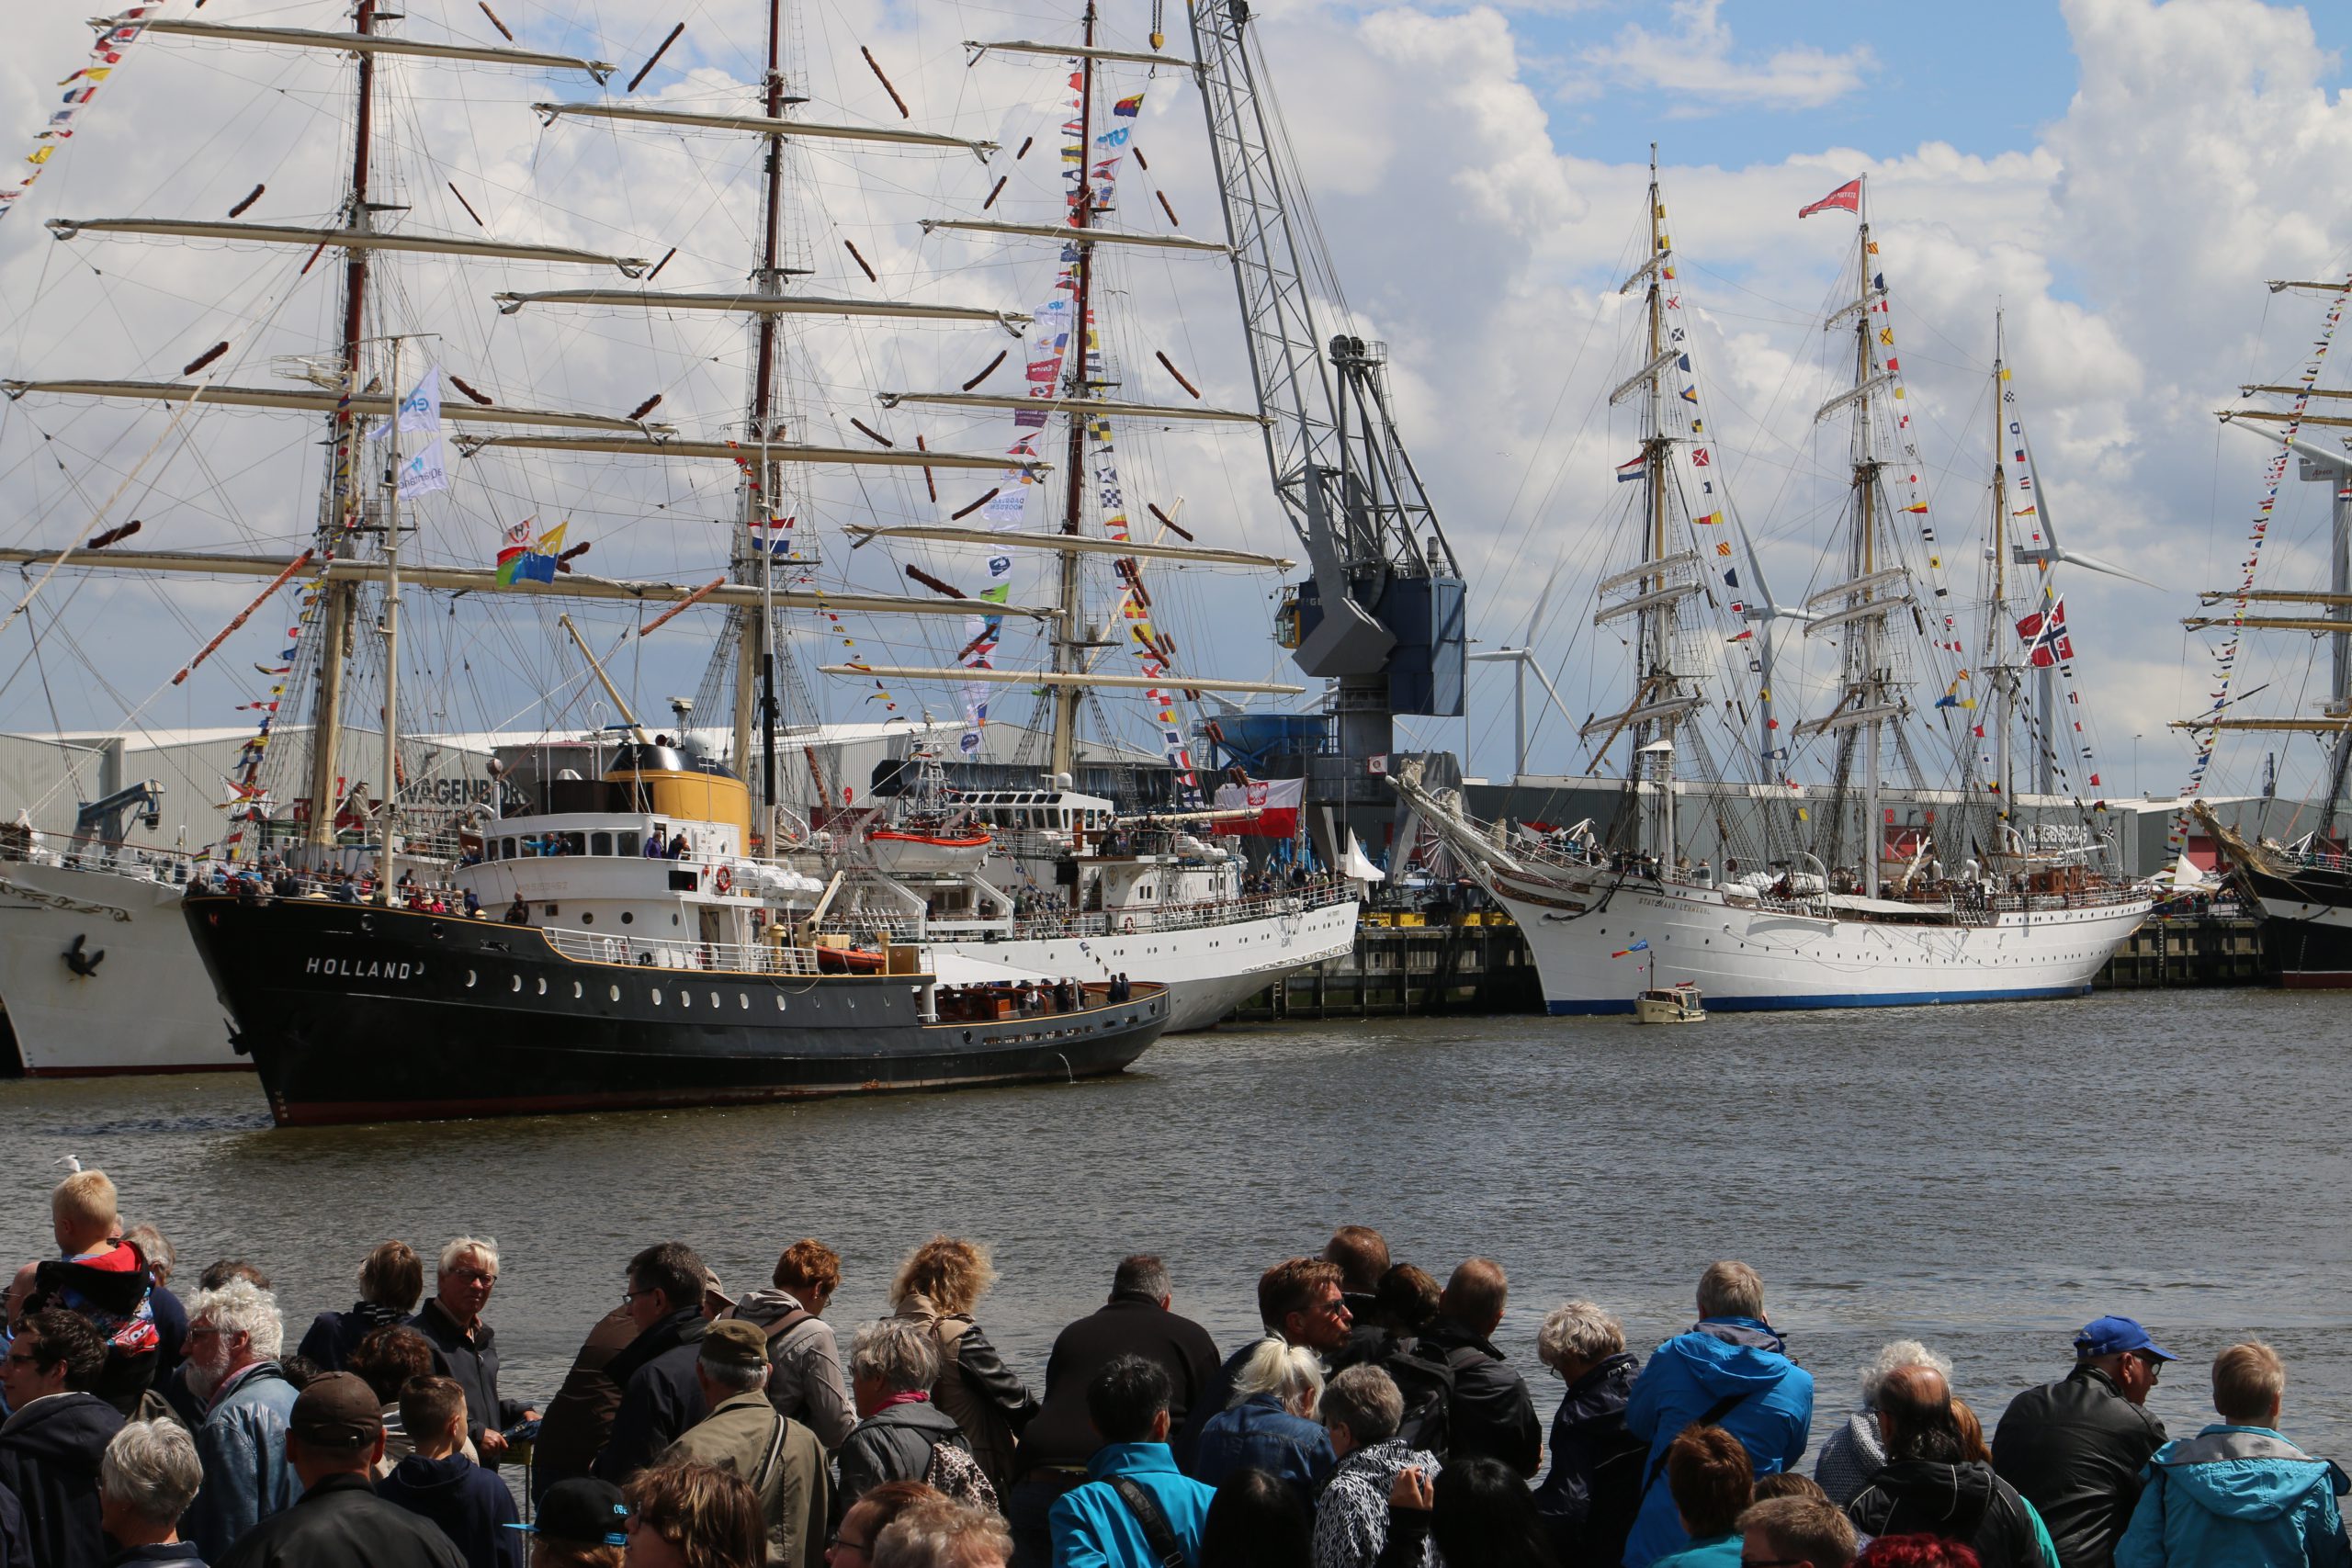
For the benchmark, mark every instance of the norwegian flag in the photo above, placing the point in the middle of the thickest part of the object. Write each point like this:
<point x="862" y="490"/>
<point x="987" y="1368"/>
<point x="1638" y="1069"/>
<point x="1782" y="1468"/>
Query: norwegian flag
<point x="2044" y="636"/>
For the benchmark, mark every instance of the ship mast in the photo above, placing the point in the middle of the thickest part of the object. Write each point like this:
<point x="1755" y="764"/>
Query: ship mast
<point x="2004" y="675"/>
<point x="755" y="668"/>
<point x="1657" y="639"/>
<point x="1066" y="635"/>
<point x="343" y="477"/>
<point x="1864" y="652"/>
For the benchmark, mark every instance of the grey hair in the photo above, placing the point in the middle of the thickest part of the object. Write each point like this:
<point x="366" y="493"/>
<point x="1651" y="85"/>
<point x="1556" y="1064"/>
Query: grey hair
<point x="1891" y="1357"/>
<point x="240" y="1306"/>
<point x="1577" y="1331"/>
<point x="150" y="1468"/>
<point x="1142" y="1274"/>
<point x="895" y="1352"/>
<point x="154" y="1246"/>
<point x="1366" y="1401"/>
<point x="732" y="1376"/>
<point x="1730" y="1289"/>
<point x="1290" y="1372"/>
<point x="458" y="1247"/>
<point x="939" y="1532"/>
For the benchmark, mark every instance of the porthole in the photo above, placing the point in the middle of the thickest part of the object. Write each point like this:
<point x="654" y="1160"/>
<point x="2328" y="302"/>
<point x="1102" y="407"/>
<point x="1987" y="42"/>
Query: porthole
<point x="613" y="993"/>
<point x="743" y="1001"/>
<point x="685" y="998"/>
<point x="517" y="983"/>
<point x="674" y="918"/>
<point x="588" y="917"/>
<point x="543" y="986"/>
<point x="656" y="996"/>
<point x="779" y="1001"/>
<point x="714" y="998"/>
<point x="578" y="990"/>
<point x="628" y="917"/>
<point x="470" y="978"/>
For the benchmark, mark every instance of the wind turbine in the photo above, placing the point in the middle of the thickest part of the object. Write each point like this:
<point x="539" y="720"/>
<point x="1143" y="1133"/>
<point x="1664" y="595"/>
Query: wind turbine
<point x="1762" y="610"/>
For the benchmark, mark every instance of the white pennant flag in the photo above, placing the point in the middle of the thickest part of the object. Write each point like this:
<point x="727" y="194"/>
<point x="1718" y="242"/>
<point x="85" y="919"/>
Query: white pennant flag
<point x="420" y="411"/>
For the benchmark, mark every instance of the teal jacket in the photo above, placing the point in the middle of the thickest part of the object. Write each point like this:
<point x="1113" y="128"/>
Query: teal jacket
<point x="1093" y="1527"/>
<point x="2243" y="1497"/>
<point x="1714" y="1551"/>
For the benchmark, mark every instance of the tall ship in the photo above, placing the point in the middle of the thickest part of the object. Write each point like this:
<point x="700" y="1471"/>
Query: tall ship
<point x="1144" y="892"/>
<point x="2293" y="869"/>
<point x="1772" y="892"/>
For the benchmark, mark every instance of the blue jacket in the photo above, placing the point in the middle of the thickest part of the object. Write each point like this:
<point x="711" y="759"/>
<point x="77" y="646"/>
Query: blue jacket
<point x="470" y="1504"/>
<point x="2243" y="1497"/>
<point x="1093" y="1527"/>
<point x="1688" y="1376"/>
<point x="1715" y="1551"/>
<point x="243" y="1445"/>
<point x="1259" y="1434"/>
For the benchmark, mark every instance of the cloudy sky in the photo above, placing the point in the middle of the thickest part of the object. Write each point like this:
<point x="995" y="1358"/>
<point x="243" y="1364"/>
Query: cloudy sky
<point x="2119" y="175"/>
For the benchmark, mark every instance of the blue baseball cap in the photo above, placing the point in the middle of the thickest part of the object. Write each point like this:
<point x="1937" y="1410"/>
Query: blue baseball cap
<point x="2113" y="1336"/>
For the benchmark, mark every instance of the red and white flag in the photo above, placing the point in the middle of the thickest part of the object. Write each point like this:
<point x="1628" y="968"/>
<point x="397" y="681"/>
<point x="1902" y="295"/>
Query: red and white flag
<point x="1847" y="197"/>
<point x="1276" y="802"/>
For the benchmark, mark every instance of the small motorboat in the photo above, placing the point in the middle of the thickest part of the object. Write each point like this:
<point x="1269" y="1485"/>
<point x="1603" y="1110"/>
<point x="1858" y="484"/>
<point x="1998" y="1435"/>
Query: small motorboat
<point x="1677" y="1003"/>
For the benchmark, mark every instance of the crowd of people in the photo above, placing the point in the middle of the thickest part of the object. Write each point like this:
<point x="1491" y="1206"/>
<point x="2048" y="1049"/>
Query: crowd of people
<point x="1374" y="1423"/>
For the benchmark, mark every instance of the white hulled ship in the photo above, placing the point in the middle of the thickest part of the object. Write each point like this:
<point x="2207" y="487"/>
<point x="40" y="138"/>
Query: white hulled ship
<point x="1844" y="893"/>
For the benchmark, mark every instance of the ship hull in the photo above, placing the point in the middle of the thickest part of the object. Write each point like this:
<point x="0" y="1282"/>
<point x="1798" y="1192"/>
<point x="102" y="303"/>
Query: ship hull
<point x="1209" y="970"/>
<point x="146" y="1007"/>
<point x="2306" y="928"/>
<point x="1747" y="958"/>
<point x="357" y="1014"/>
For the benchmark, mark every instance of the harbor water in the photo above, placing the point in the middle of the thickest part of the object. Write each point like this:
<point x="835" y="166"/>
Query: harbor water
<point x="1986" y="1179"/>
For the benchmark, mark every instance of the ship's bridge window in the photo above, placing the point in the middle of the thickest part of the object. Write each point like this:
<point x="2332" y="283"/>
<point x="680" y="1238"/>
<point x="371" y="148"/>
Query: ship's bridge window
<point x="574" y="844"/>
<point x="600" y="843"/>
<point x="505" y="849"/>
<point x="628" y="844"/>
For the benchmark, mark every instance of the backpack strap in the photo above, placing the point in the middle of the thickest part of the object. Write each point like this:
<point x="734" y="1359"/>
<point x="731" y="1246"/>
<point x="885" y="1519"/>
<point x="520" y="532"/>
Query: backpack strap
<point x="767" y="1465"/>
<point x="786" y="1325"/>
<point x="1166" y="1550"/>
<point x="1716" y="1413"/>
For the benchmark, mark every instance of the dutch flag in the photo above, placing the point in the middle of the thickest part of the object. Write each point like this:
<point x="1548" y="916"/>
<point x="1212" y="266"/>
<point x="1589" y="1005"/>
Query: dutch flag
<point x="1631" y="470"/>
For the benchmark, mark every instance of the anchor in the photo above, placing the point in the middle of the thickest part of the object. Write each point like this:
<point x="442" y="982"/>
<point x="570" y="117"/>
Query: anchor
<point x="85" y="964"/>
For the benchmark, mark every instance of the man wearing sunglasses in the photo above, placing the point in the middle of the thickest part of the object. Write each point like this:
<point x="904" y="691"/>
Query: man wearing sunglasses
<point x="2076" y="1448"/>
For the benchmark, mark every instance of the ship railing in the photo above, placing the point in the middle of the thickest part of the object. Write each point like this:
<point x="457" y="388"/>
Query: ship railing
<point x="1315" y="895"/>
<point x="661" y="953"/>
<point x="160" y="862"/>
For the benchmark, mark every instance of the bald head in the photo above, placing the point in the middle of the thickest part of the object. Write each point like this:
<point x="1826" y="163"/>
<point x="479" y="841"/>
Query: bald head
<point x="1915" y="1416"/>
<point x="21" y="1290"/>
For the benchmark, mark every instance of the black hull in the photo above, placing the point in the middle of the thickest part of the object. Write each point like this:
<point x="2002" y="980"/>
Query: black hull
<point x="360" y="1014"/>
<point x="2306" y="953"/>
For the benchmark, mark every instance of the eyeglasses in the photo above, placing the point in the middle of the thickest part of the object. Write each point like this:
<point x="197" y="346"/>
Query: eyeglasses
<point x="474" y="1276"/>
<point x="2156" y="1367"/>
<point x="838" y="1539"/>
<point x="629" y="1296"/>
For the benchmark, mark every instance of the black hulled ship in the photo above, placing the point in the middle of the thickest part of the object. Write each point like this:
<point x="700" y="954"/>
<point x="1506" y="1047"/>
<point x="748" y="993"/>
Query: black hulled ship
<point x="652" y="962"/>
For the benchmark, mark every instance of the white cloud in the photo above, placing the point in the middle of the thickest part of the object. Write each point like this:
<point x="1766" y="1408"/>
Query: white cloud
<point x="1697" y="65"/>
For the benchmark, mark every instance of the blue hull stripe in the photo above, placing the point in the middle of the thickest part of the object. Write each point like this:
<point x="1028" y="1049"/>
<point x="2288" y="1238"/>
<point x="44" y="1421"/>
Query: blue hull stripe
<point x="1574" y="1008"/>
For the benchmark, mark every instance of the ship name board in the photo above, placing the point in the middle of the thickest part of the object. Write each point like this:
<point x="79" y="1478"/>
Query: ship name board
<point x="363" y="968"/>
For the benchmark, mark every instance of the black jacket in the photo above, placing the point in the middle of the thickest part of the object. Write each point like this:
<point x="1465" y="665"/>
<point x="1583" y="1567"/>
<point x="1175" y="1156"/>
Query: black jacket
<point x="16" y="1541"/>
<point x="178" y="1554"/>
<point x="1594" y="1487"/>
<point x="2075" y="1449"/>
<point x="473" y="1363"/>
<point x="1491" y="1413"/>
<point x="1132" y="1324"/>
<point x="659" y="1398"/>
<point x="334" y="1335"/>
<point x="341" y="1523"/>
<point x="48" y="1458"/>
<point x="171" y="1334"/>
<point x="471" y="1506"/>
<point x="1966" y="1502"/>
<point x="894" y="1444"/>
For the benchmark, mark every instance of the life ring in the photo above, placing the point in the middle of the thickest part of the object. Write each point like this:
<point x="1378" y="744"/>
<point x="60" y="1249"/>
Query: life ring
<point x="725" y="881"/>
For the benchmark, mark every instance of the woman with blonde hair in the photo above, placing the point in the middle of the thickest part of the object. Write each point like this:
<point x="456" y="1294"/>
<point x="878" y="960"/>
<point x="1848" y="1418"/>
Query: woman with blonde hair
<point x="686" y="1513"/>
<point x="938" y="1286"/>
<point x="1268" y="1424"/>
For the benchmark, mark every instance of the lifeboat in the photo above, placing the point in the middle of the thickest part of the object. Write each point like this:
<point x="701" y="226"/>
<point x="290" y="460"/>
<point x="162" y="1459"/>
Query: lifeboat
<point x="921" y="850"/>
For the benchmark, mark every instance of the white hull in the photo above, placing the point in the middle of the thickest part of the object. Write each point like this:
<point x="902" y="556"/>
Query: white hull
<point x="1209" y="970"/>
<point x="1743" y="956"/>
<point x="149" y="1008"/>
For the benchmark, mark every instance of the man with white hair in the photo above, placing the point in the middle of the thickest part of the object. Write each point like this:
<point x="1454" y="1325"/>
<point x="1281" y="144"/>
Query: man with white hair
<point x="234" y="1333"/>
<point x="464" y="1348"/>
<point x="1853" y="1453"/>
<point x="1730" y="1371"/>
<point x="146" y="1480"/>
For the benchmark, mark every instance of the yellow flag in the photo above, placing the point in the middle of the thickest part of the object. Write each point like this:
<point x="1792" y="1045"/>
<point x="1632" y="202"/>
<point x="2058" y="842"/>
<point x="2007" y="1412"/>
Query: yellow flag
<point x="552" y="540"/>
<point x="39" y="154"/>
